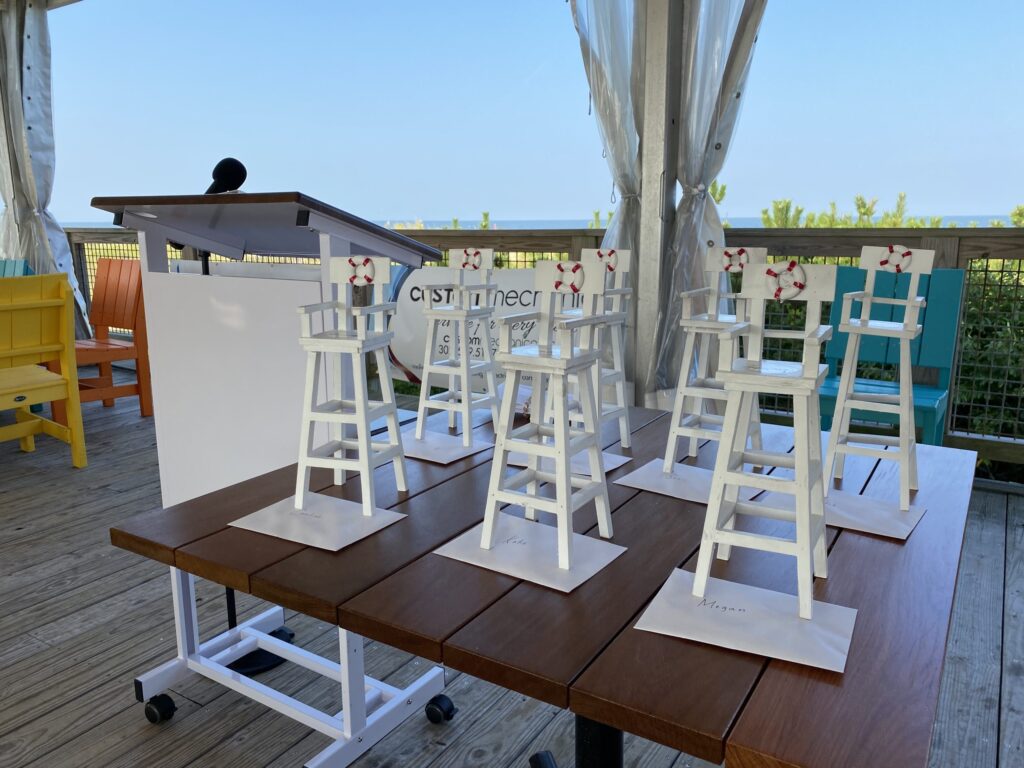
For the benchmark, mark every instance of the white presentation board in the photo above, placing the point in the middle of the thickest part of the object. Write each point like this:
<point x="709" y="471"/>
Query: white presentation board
<point x="515" y="294"/>
<point x="228" y="377"/>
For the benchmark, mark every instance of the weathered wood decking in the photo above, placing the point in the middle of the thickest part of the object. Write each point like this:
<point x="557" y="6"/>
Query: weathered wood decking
<point x="79" y="618"/>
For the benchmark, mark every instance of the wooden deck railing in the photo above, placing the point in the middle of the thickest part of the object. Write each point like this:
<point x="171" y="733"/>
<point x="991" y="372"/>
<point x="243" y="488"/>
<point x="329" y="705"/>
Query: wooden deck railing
<point x="987" y="395"/>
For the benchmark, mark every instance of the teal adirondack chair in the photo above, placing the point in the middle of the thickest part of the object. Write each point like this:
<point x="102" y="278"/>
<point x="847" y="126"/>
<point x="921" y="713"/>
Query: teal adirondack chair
<point x="943" y="291"/>
<point x="14" y="268"/>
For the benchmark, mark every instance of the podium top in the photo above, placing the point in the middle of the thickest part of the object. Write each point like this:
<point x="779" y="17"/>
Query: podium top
<point x="279" y="223"/>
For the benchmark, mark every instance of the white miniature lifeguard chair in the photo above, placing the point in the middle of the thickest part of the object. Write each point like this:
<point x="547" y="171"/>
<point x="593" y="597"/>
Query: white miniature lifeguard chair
<point x="899" y="260"/>
<point x="615" y="307"/>
<point x="567" y="346"/>
<point x="697" y="388"/>
<point x="744" y="378"/>
<point x="349" y="334"/>
<point x="467" y="302"/>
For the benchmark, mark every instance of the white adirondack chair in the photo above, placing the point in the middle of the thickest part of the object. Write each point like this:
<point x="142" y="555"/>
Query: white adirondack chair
<point x="873" y="259"/>
<point x="467" y="302"/>
<point x="744" y="378"/>
<point x="349" y="334"/>
<point x="567" y="347"/>
<point x="692" y="419"/>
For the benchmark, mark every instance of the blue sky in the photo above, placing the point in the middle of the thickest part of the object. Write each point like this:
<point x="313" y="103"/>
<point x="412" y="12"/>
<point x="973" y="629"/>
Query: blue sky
<point x="398" y="110"/>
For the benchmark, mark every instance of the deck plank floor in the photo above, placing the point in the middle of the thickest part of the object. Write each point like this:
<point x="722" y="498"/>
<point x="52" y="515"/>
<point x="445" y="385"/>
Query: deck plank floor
<point x="79" y="618"/>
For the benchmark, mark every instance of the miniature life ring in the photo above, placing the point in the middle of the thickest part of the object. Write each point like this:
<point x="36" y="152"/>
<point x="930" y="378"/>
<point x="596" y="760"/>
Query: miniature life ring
<point x="362" y="271"/>
<point x="898" y="259"/>
<point x="470" y="260"/>
<point x="575" y="281"/>
<point x="738" y="260"/>
<point x="610" y="259"/>
<point x="786" y="283"/>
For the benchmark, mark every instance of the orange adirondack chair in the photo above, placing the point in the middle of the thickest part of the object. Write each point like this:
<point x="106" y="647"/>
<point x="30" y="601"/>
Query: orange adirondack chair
<point x="116" y="303"/>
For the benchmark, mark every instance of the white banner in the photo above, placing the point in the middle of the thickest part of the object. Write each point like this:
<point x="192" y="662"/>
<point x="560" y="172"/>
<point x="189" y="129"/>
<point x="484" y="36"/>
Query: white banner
<point x="515" y="294"/>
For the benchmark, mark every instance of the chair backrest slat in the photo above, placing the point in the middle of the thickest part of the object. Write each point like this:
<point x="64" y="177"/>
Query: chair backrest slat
<point x="563" y="285"/>
<point x="812" y="284"/>
<point x="617" y="265"/>
<point x="116" y="294"/>
<point x="34" y="319"/>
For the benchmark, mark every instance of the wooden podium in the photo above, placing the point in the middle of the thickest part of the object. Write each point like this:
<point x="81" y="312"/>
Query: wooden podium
<point x="227" y="366"/>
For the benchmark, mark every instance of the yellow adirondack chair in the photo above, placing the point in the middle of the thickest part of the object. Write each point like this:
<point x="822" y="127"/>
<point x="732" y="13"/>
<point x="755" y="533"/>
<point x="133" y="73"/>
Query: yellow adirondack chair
<point x="37" y="326"/>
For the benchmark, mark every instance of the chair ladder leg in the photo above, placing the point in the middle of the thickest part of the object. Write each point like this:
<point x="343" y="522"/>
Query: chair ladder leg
<point x="817" y="489"/>
<point x="490" y="379"/>
<point x="737" y="446"/>
<point x="907" y="443"/>
<point x="363" y="435"/>
<point x="804" y="556"/>
<point x="705" y="556"/>
<point x="592" y="425"/>
<point x="834" y="458"/>
<point x="538" y="414"/>
<point x="306" y="431"/>
<point x="618" y="335"/>
<point x="681" y="406"/>
<point x="563" y="469"/>
<point x="467" y="384"/>
<point x="499" y="463"/>
<point x="428" y="359"/>
<point x="387" y="389"/>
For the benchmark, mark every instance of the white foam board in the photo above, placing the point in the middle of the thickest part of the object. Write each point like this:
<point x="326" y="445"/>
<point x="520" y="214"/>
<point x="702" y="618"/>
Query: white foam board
<point x="440" y="447"/>
<point x="529" y="550"/>
<point x="324" y="522"/>
<point x="751" y="619"/>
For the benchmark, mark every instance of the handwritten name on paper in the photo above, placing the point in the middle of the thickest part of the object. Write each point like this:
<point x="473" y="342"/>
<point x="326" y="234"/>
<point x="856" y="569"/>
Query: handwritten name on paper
<point x="717" y="606"/>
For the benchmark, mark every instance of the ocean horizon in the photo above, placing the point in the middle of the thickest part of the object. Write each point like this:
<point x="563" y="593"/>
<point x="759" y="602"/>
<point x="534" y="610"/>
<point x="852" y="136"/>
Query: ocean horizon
<point x="751" y="222"/>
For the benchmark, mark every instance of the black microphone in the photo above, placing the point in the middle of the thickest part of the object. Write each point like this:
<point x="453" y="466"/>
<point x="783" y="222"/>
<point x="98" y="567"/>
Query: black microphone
<point x="228" y="175"/>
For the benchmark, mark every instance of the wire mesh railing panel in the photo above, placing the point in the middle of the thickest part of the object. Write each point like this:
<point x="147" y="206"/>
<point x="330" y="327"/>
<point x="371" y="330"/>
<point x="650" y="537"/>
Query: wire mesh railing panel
<point x="988" y="392"/>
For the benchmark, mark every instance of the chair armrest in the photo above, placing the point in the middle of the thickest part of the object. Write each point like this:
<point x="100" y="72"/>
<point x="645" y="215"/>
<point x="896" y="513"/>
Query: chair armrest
<point x="572" y="323"/>
<point x="321" y="307"/>
<point x="618" y="291"/>
<point x="694" y="293"/>
<point x="518" y="317"/>
<point x="819" y="334"/>
<point x="734" y="331"/>
<point x="855" y="295"/>
<point x="388" y="309"/>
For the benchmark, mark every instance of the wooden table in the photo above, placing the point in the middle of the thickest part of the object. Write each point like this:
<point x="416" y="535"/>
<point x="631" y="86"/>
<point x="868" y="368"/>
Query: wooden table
<point x="580" y="650"/>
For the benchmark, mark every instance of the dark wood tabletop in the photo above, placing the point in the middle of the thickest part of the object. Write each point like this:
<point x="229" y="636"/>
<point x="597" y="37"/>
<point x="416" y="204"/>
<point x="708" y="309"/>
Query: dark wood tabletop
<point x="580" y="650"/>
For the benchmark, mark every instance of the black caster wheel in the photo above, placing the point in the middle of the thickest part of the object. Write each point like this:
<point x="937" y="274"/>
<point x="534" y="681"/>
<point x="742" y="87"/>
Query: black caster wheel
<point x="439" y="709"/>
<point x="159" y="708"/>
<point x="543" y="760"/>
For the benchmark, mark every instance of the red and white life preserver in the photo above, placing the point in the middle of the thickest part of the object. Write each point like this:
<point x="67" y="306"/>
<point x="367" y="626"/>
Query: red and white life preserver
<point x="738" y="260"/>
<point x="470" y="260"/>
<point x="786" y="283"/>
<point x="575" y="277"/>
<point x="897" y="260"/>
<point x="610" y="259"/>
<point x="362" y="271"/>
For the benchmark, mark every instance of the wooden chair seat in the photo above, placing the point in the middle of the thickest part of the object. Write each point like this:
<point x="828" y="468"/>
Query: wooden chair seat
<point x="881" y="328"/>
<point x="95" y="351"/>
<point x="345" y="341"/>
<point x="32" y="383"/>
<point x="753" y="374"/>
<point x="531" y="358"/>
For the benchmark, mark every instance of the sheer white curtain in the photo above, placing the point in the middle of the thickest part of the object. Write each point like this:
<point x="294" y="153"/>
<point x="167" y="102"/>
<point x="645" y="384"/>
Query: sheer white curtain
<point x="718" y="42"/>
<point x="612" y="42"/>
<point x="27" y="229"/>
